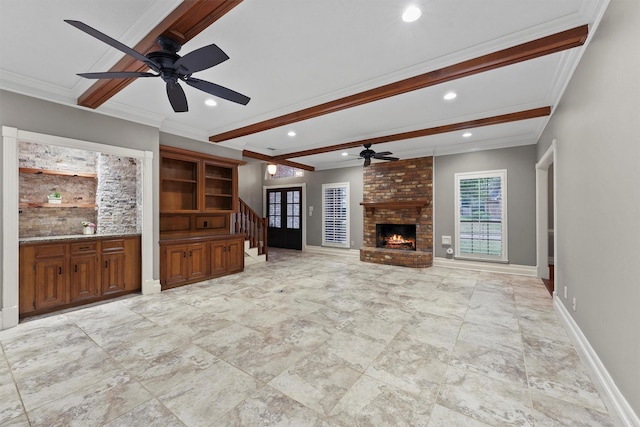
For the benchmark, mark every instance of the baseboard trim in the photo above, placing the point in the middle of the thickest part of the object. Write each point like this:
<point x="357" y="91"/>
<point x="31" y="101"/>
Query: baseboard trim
<point x="520" y="270"/>
<point x="622" y="407"/>
<point x="9" y="317"/>
<point x="150" y="287"/>
<point x="355" y="253"/>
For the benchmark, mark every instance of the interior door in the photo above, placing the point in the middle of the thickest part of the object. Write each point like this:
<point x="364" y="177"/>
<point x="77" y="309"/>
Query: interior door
<point x="284" y="210"/>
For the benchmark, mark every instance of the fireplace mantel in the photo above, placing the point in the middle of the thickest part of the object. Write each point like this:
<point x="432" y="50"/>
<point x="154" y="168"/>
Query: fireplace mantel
<point x="399" y="204"/>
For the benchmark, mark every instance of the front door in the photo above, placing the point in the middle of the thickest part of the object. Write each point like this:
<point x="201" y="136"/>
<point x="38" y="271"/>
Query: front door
<point x="284" y="210"/>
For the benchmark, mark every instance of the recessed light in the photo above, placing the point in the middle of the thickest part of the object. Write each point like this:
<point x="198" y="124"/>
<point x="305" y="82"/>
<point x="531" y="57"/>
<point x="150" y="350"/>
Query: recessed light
<point x="211" y="102"/>
<point x="345" y="154"/>
<point x="411" y="14"/>
<point x="466" y="134"/>
<point x="450" y="95"/>
<point x="291" y="133"/>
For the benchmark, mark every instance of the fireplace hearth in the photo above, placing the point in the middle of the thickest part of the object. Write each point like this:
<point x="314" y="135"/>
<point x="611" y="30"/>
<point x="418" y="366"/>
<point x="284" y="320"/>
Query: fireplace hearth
<point x="396" y="236"/>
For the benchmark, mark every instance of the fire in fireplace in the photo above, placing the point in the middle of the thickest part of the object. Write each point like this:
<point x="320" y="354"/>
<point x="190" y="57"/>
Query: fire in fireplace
<point x="396" y="236"/>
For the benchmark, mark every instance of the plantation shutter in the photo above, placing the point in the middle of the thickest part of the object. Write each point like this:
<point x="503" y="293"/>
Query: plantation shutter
<point x="481" y="227"/>
<point x="335" y="215"/>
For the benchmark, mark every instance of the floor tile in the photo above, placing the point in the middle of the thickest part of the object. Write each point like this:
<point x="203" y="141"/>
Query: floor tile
<point x="225" y="387"/>
<point x="485" y="399"/>
<point x="305" y="340"/>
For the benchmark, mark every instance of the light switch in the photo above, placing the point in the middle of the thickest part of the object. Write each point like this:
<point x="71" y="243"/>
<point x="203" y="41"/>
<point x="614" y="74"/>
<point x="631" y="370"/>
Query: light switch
<point x="446" y="240"/>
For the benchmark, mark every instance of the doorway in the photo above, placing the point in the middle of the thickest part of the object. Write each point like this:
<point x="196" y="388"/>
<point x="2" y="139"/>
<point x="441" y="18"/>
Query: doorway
<point x="546" y="225"/>
<point x="284" y="213"/>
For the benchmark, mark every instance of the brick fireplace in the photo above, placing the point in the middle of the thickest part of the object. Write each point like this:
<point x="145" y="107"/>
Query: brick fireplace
<point x="399" y="193"/>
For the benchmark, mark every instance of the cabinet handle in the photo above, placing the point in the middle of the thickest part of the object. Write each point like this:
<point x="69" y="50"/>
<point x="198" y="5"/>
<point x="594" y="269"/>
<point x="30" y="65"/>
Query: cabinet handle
<point x="106" y="264"/>
<point x="184" y="254"/>
<point x="190" y="254"/>
<point x="205" y="224"/>
<point x="84" y="248"/>
<point x="75" y="268"/>
<point x="59" y="270"/>
<point x="224" y="249"/>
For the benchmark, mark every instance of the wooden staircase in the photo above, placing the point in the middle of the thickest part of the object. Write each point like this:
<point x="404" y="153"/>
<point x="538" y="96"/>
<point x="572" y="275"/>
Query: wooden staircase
<point x="247" y="221"/>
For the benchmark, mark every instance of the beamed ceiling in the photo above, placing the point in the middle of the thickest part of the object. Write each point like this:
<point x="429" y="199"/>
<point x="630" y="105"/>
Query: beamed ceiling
<point x="338" y="74"/>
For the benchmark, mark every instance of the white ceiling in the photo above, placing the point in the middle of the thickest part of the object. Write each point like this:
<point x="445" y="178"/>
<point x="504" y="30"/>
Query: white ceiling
<point x="292" y="54"/>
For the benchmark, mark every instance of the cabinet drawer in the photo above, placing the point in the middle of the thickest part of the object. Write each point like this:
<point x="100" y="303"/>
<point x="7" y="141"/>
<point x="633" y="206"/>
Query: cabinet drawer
<point x="113" y="245"/>
<point x="212" y="222"/>
<point x="51" y="251"/>
<point x="83" y="248"/>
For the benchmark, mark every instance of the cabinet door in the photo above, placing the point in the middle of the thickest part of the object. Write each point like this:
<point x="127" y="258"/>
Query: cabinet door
<point x="83" y="280"/>
<point x="133" y="267"/>
<point x="235" y="253"/>
<point x="197" y="261"/>
<point x="27" y="279"/>
<point x="51" y="279"/>
<point x="218" y="255"/>
<point x="175" y="264"/>
<point x="113" y="272"/>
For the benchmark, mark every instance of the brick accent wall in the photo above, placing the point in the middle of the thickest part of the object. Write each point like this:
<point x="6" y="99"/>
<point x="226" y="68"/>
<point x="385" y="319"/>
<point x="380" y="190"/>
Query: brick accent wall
<point x="115" y="190"/>
<point x="404" y="180"/>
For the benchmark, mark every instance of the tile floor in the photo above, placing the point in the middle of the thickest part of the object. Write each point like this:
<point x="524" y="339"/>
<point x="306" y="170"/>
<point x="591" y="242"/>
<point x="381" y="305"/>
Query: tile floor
<point x="306" y="340"/>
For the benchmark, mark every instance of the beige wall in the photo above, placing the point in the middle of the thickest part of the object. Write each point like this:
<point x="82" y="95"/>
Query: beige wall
<point x="597" y="132"/>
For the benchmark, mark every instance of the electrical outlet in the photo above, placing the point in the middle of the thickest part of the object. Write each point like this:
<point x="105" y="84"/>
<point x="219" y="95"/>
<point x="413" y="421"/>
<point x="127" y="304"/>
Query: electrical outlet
<point x="446" y="240"/>
<point x="574" y="303"/>
<point x="565" y="292"/>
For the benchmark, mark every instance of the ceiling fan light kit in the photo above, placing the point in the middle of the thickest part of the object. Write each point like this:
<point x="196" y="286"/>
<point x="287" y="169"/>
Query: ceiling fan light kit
<point x="170" y="67"/>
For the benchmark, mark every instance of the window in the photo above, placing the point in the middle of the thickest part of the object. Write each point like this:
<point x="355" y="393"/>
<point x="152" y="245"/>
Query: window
<point x="284" y="171"/>
<point x="275" y="210"/>
<point x="481" y="215"/>
<point x="335" y="215"/>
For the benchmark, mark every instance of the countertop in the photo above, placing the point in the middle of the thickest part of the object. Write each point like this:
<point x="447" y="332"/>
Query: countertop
<point x="70" y="237"/>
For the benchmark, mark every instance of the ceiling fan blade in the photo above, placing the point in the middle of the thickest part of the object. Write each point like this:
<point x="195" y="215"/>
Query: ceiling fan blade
<point x="177" y="98"/>
<point x="387" y="158"/>
<point x="112" y="42"/>
<point x="367" y="161"/>
<point x="383" y="153"/>
<point x="116" y="75"/>
<point x="217" y="90"/>
<point x="200" y="59"/>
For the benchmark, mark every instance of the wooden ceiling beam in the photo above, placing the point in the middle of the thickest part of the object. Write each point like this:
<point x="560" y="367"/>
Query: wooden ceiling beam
<point x="269" y="159"/>
<point x="487" y="121"/>
<point x="183" y="24"/>
<point x="534" y="49"/>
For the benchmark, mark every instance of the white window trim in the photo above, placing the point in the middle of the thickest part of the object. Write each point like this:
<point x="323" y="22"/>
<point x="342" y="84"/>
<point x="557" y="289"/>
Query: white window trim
<point x="346" y="244"/>
<point x="502" y="173"/>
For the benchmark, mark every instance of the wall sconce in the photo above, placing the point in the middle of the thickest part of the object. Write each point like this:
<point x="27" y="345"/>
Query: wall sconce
<point x="272" y="169"/>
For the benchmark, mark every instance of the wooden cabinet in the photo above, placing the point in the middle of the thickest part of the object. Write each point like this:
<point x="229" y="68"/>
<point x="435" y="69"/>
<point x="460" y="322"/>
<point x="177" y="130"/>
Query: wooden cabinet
<point x="184" y="262"/>
<point x="227" y="256"/>
<point x="51" y="276"/>
<point x="113" y="266"/>
<point x="200" y="258"/>
<point x="198" y="195"/>
<point x="84" y="272"/>
<point x="58" y="275"/>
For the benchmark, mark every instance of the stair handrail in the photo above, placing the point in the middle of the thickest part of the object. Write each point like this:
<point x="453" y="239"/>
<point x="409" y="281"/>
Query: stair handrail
<point x="253" y="225"/>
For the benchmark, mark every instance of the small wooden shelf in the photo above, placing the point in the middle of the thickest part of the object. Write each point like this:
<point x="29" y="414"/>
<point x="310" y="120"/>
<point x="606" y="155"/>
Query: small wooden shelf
<point x="219" y="178"/>
<point x="218" y="195"/>
<point x="57" y="205"/>
<point x="59" y="173"/>
<point x="188" y="181"/>
<point x="401" y="204"/>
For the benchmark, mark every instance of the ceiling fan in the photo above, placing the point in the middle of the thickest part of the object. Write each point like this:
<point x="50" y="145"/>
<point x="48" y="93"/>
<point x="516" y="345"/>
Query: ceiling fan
<point x="367" y="154"/>
<point x="169" y="66"/>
